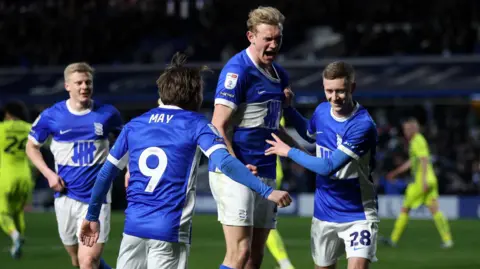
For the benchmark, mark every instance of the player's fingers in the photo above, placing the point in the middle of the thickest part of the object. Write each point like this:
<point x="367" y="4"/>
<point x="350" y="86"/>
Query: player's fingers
<point x="270" y="152"/>
<point x="277" y="139"/>
<point x="273" y="143"/>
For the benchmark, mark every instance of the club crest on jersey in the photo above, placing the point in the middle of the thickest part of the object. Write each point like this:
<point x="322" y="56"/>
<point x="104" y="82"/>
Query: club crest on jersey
<point x="231" y="80"/>
<point x="98" y="128"/>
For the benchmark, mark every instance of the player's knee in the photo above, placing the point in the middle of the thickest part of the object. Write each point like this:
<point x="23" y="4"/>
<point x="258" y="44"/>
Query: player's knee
<point x="239" y="252"/>
<point x="88" y="262"/>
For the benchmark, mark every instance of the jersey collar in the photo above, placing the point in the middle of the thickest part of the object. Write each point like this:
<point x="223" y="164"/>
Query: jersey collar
<point x="170" y="107"/>
<point x="79" y="113"/>
<point x="343" y="119"/>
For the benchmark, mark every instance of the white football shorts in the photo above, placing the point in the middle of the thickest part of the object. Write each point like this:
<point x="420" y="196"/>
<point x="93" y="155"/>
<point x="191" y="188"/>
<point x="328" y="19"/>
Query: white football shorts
<point x="141" y="253"/>
<point x="238" y="205"/>
<point x="70" y="215"/>
<point x="331" y="240"/>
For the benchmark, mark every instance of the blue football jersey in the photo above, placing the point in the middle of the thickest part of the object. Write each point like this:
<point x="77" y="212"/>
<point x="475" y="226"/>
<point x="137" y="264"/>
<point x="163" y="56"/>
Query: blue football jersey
<point x="348" y="195"/>
<point x="163" y="149"/>
<point x="79" y="143"/>
<point x="256" y="98"/>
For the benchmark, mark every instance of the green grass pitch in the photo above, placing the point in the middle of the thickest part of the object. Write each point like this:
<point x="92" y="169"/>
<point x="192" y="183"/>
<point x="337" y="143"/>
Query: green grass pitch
<point x="419" y="247"/>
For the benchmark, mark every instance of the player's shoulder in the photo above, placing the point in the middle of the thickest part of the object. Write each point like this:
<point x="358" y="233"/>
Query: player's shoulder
<point x="322" y="109"/>
<point x="418" y="138"/>
<point x="103" y="107"/>
<point x="362" y="120"/>
<point x="239" y="64"/>
<point x="59" y="107"/>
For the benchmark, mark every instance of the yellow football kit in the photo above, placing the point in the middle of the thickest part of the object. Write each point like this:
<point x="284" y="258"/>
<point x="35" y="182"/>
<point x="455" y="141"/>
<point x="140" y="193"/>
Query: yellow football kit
<point x="16" y="182"/>
<point x="414" y="195"/>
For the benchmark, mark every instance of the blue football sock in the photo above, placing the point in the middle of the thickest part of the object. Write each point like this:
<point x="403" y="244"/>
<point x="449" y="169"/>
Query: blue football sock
<point x="225" y="267"/>
<point x="103" y="264"/>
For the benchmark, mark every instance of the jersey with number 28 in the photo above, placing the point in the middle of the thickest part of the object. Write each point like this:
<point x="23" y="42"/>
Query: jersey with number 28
<point x="163" y="148"/>
<point x="349" y="194"/>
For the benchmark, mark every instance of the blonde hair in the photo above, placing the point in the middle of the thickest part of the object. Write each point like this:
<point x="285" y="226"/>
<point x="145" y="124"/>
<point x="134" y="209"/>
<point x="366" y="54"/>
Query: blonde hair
<point x="264" y="15"/>
<point x="77" y="67"/>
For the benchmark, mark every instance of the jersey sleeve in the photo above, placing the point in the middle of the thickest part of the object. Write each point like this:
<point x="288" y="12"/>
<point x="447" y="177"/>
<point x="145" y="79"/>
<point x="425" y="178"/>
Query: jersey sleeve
<point x="41" y="128"/>
<point x="311" y="127"/>
<point x="420" y="147"/>
<point x="358" y="140"/>
<point x="119" y="153"/>
<point x="231" y="86"/>
<point x="208" y="138"/>
<point x="116" y="122"/>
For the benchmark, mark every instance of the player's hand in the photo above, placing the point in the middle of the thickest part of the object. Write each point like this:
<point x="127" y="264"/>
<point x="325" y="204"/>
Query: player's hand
<point x="127" y="177"/>
<point x="278" y="147"/>
<point x="425" y="187"/>
<point x="289" y="95"/>
<point x="281" y="198"/>
<point x="89" y="232"/>
<point x="56" y="183"/>
<point x="252" y="169"/>
<point x="390" y="176"/>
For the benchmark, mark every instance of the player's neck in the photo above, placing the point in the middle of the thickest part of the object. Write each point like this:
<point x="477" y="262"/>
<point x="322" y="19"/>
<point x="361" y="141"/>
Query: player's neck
<point x="346" y="110"/>
<point x="256" y="59"/>
<point x="79" y="106"/>
<point x="9" y="117"/>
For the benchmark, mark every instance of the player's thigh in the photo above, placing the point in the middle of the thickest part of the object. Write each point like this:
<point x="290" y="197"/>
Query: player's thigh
<point x="66" y="220"/>
<point x="360" y="239"/>
<point x="432" y="195"/>
<point x="414" y="196"/>
<point x="23" y="193"/>
<point x="167" y="255"/>
<point x="103" y="218"/>
<point x="235" y="202"/>
<point x="265" y="211"/>
<point x="326" y="246"/>
<point x="132" y="253"/>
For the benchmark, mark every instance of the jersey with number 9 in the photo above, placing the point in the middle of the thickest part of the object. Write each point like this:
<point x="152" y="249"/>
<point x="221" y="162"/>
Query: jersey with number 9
<point x="163" y="149"/>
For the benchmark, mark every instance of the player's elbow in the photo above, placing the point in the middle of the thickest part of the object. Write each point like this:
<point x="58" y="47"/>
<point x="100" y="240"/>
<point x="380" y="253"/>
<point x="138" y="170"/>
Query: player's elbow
<point x="30" y="148"/>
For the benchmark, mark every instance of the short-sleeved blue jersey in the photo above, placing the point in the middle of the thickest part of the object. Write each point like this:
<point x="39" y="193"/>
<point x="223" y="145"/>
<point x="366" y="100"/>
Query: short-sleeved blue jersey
<point x="79" y="143"/>
<point x="348" y="195"/>
<point x="256" y="98"/>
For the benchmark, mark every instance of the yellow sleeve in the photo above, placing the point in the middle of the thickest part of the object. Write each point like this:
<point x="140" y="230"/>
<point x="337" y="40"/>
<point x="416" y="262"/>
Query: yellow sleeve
<point x="420" y="146"/>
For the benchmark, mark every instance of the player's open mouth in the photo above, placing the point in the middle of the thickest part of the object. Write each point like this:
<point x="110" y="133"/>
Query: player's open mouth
<point x="270" y="54"/>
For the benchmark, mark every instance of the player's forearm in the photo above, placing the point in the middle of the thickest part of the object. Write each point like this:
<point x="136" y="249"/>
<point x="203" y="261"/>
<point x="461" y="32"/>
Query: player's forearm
<point x="402" y="168"/>
<point x="228" y="142"/>
<point x="235" y="170"/>
<point x="299" y="122"/>
<point x="321" y="166"/>
<point x="36" y="157"/>
<point x="102" y="184"/>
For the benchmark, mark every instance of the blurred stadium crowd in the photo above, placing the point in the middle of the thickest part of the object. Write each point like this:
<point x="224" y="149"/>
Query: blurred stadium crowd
<point x="113" y="32"/>
<point x="147" y="31"/>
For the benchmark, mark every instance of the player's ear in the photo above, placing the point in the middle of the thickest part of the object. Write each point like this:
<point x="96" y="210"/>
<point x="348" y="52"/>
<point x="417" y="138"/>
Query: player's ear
<point x="67" y="88"/>
<point x="353" y="86"/>
<point x="250" y="36"/>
